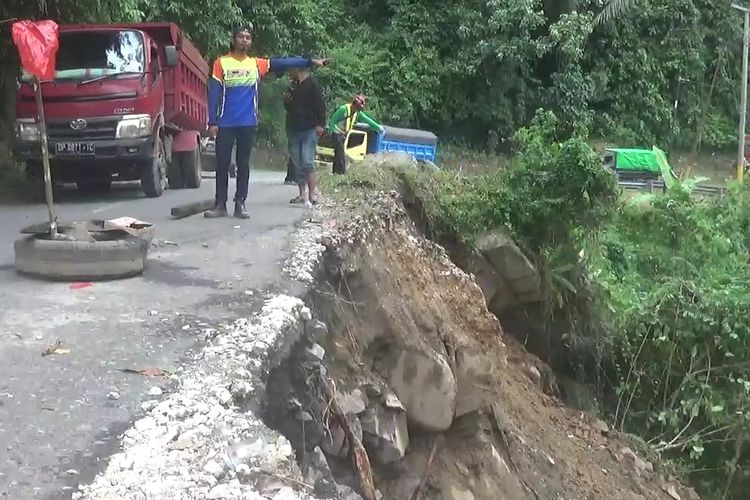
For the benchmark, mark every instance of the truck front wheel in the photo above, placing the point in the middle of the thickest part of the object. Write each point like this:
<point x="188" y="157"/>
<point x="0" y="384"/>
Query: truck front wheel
<point x="154" y="172"/>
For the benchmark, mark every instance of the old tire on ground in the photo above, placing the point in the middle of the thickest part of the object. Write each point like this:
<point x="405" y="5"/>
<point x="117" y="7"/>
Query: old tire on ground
<point x="122" y="257"/>
<point x="154" y="171"/>
<point x="191" y="168"/>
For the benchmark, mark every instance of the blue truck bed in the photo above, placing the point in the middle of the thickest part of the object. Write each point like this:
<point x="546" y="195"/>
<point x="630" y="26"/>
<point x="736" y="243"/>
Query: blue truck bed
<point x="418" y="143"/>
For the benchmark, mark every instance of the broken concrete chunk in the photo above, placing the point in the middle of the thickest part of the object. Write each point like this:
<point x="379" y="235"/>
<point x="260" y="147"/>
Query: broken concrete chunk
<point x="185" y="441"/>
<point x="214" y="468"/>
<point x="385" y="433"/>
<point x="392" y="402"/>
<point x="114" y="395"/>
<point x="155" y="391"/>
<point x="317" y="351"/>
<point x="424" y="382"/>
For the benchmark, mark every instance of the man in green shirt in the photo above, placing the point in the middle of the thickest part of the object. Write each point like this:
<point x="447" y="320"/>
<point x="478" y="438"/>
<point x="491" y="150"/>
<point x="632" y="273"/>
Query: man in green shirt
<point x="341" y="122"/>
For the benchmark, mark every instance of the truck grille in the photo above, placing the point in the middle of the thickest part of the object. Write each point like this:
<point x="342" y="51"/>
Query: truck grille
<point x="96" y="128"/>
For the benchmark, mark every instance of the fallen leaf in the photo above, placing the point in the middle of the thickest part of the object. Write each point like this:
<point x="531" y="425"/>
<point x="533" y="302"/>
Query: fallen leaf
<point x="148" y="372"/>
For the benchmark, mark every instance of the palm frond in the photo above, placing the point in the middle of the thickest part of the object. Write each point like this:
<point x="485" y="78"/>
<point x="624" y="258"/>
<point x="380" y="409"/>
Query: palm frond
<point x="614" y="9"/>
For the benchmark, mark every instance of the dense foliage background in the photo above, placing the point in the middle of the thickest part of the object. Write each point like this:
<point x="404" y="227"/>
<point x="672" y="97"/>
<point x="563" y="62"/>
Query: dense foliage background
<point x="477" y="70"/>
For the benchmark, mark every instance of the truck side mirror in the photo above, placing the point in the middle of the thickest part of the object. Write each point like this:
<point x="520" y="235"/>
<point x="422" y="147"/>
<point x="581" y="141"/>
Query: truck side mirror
<point x="170" y="56"/>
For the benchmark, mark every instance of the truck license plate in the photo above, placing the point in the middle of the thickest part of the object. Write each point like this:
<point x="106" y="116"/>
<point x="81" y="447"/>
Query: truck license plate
<point x="74" y="149"/>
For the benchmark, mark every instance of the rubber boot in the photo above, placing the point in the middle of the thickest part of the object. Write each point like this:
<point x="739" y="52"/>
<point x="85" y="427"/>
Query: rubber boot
<point x="216" y="212"/>
<point x="240" y="211"/>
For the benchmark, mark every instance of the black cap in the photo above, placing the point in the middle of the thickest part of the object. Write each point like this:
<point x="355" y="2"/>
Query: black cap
<point x="243" y="27"/>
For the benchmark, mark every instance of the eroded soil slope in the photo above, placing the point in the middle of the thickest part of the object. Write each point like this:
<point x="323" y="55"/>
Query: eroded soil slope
<point x="447" y="406"/>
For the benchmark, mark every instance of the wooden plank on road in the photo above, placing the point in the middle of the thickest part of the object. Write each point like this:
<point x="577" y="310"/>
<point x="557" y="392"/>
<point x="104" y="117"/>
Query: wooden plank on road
<point x="182" y="211"/>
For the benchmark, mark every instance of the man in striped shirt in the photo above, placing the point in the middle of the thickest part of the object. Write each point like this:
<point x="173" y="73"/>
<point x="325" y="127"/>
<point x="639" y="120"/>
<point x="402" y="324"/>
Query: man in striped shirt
<point x="233" y="113"/>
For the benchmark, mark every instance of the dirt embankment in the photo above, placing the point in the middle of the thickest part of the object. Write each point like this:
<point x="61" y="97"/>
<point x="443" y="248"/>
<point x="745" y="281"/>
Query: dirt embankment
<point x="446" y="405"/>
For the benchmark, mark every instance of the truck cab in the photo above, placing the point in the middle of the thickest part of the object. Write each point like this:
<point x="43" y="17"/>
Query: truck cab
<point x="128" y="102"/>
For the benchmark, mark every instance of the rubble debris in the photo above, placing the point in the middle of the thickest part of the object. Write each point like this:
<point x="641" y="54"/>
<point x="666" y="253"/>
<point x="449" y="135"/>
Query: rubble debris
<point x="640" y="466"/>
<point x="55" y="348"/>
<point x="359" y="455"/>
<point x="155" y="391"/>
<point x="420" y="491"/>
<point x="385" y="432"/>
<point x="189" y="445"/>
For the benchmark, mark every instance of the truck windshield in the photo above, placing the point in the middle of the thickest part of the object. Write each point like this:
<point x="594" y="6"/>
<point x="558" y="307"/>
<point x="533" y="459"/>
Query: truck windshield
<point x="93" y="54"/>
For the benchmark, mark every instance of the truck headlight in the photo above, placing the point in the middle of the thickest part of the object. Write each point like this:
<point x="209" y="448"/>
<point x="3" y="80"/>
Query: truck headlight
<point x="27" y="130"/>
<point x="132" y="126"/>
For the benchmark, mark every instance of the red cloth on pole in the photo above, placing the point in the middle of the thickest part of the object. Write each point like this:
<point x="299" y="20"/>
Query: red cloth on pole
<point x="37" y="44"/>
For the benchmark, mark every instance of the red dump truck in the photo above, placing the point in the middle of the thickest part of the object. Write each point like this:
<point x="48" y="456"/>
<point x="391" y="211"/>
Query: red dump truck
<point x="128" y="102"/>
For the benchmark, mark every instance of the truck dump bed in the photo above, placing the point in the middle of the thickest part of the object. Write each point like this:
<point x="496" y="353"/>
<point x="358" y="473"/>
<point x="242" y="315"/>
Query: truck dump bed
<point x="186" y="92"/>
<point x="419" y="143"/>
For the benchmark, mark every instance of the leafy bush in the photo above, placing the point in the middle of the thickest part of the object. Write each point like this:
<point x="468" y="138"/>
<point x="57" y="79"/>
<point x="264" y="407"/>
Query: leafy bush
<point x="676" y="275"/>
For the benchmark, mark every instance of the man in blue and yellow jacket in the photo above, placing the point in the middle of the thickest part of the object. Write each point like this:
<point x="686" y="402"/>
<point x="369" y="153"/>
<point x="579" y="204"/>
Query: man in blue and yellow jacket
<point x="233" y="113"/>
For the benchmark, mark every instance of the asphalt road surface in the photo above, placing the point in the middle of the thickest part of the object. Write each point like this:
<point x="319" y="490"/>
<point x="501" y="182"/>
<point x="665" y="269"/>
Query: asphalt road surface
<point x="60" y="415"/>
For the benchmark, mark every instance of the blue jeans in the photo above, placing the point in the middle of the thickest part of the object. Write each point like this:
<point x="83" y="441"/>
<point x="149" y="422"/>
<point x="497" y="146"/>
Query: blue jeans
<point x="302" y="144"/>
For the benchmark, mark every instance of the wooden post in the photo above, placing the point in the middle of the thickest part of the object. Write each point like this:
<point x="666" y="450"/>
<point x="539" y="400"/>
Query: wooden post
<point x="42" y="124"/>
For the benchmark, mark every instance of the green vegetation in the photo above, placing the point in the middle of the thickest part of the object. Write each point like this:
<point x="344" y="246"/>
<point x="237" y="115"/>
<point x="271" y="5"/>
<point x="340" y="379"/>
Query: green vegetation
<point x="477" y="70"/>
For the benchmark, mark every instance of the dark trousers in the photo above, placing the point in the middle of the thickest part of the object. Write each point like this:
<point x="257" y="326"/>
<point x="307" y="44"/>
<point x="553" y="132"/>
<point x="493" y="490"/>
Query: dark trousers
<point x="339" y="154"/>
<point x="244" y="137"/>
